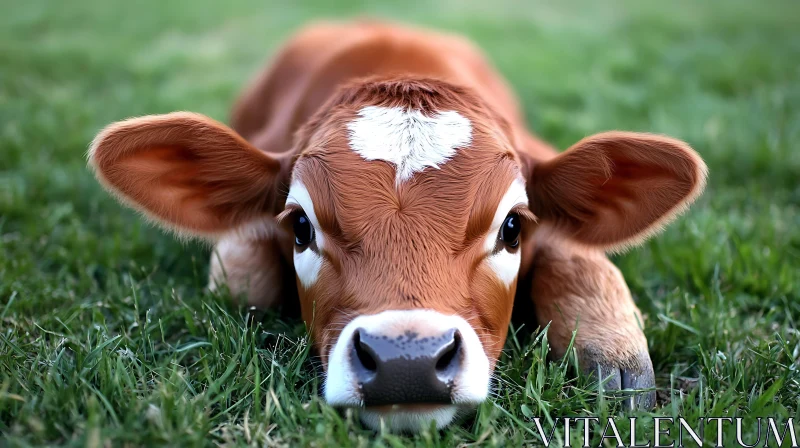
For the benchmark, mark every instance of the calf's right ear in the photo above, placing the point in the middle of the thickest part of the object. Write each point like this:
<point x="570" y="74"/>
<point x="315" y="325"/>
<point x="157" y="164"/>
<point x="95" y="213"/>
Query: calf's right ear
<point x="187" y="172"/>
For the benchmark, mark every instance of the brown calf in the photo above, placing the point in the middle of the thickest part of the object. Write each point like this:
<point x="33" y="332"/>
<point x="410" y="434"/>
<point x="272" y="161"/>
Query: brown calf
<point x="384" y="177"/>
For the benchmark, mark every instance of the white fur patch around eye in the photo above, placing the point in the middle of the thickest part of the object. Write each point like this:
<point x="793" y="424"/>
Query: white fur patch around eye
<point x="307" y="263"/>
<point x="505" y="264"/>
<point x="407" y="138"/>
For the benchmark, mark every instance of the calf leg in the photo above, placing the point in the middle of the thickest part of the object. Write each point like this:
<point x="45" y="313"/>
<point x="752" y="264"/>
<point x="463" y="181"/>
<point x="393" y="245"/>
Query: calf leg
<point x="575" y="287"/>
<point x="252" y="267"/>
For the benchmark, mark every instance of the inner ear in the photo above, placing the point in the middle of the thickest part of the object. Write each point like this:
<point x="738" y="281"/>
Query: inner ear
<point x="615" y="189"/>
<point x="187" y="172"/>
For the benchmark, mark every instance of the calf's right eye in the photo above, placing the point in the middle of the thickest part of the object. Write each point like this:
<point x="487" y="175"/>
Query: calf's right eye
<point x="303" y="230"/>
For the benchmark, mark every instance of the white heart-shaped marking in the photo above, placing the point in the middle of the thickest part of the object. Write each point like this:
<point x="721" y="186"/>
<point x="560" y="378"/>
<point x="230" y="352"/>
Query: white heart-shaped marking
<point x="407" y="138"/>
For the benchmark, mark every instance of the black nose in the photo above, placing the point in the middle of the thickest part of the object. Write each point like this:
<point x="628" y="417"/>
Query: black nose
<point x="406" y="368"/>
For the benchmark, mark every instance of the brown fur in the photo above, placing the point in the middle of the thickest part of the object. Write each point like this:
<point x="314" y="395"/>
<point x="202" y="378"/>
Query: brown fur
<point x="186" y="171"/>
<point x="615" y="189"/>
<point x="417" y="235"/>
<point x="416" y="245"/>
<point x="579" y="286"/>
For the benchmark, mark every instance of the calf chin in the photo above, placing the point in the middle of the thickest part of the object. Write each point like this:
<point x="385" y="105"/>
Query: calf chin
<point x="410" y="419"/>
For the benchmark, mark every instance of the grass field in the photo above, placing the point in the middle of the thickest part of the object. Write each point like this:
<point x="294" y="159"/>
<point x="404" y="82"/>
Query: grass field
<point x="108" y="339"/>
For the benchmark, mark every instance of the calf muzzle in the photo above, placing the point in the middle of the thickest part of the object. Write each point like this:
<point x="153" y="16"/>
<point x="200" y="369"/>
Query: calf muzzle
<point x="406" y="369"/>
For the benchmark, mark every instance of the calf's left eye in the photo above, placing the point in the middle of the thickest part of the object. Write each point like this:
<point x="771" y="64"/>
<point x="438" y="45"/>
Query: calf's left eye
<point x="510" y="230"/>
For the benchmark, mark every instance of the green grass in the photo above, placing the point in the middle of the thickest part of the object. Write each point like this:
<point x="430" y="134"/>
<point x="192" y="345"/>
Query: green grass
<point x="107" y="337"/>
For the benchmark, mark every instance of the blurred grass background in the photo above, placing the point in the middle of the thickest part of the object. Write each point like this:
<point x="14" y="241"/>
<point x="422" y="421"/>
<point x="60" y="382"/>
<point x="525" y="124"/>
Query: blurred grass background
<point x="106" y="337"/>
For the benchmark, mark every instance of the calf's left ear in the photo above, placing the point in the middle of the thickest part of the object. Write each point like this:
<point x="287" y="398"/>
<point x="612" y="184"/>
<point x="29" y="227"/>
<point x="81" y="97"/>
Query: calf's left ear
<point x="613" y="190"/>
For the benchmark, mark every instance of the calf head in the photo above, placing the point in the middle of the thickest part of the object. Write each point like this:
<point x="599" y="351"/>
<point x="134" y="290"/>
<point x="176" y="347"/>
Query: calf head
<point x="409" y="204"/>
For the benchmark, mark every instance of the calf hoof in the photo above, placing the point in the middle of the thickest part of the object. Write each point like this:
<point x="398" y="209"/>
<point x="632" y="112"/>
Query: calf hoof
<point x="634" y="374"/>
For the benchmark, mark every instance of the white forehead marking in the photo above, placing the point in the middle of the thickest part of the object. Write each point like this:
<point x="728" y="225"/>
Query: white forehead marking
<point x="407" y="138"/>
<point x="505" y="264"/>
<point x="307" y="263"/>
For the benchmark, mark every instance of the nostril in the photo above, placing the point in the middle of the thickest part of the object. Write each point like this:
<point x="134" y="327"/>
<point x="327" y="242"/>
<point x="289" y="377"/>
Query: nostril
<point x="406" y="368"/>
<point x="362" y="353"/>
<point x="447" y="357"/>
